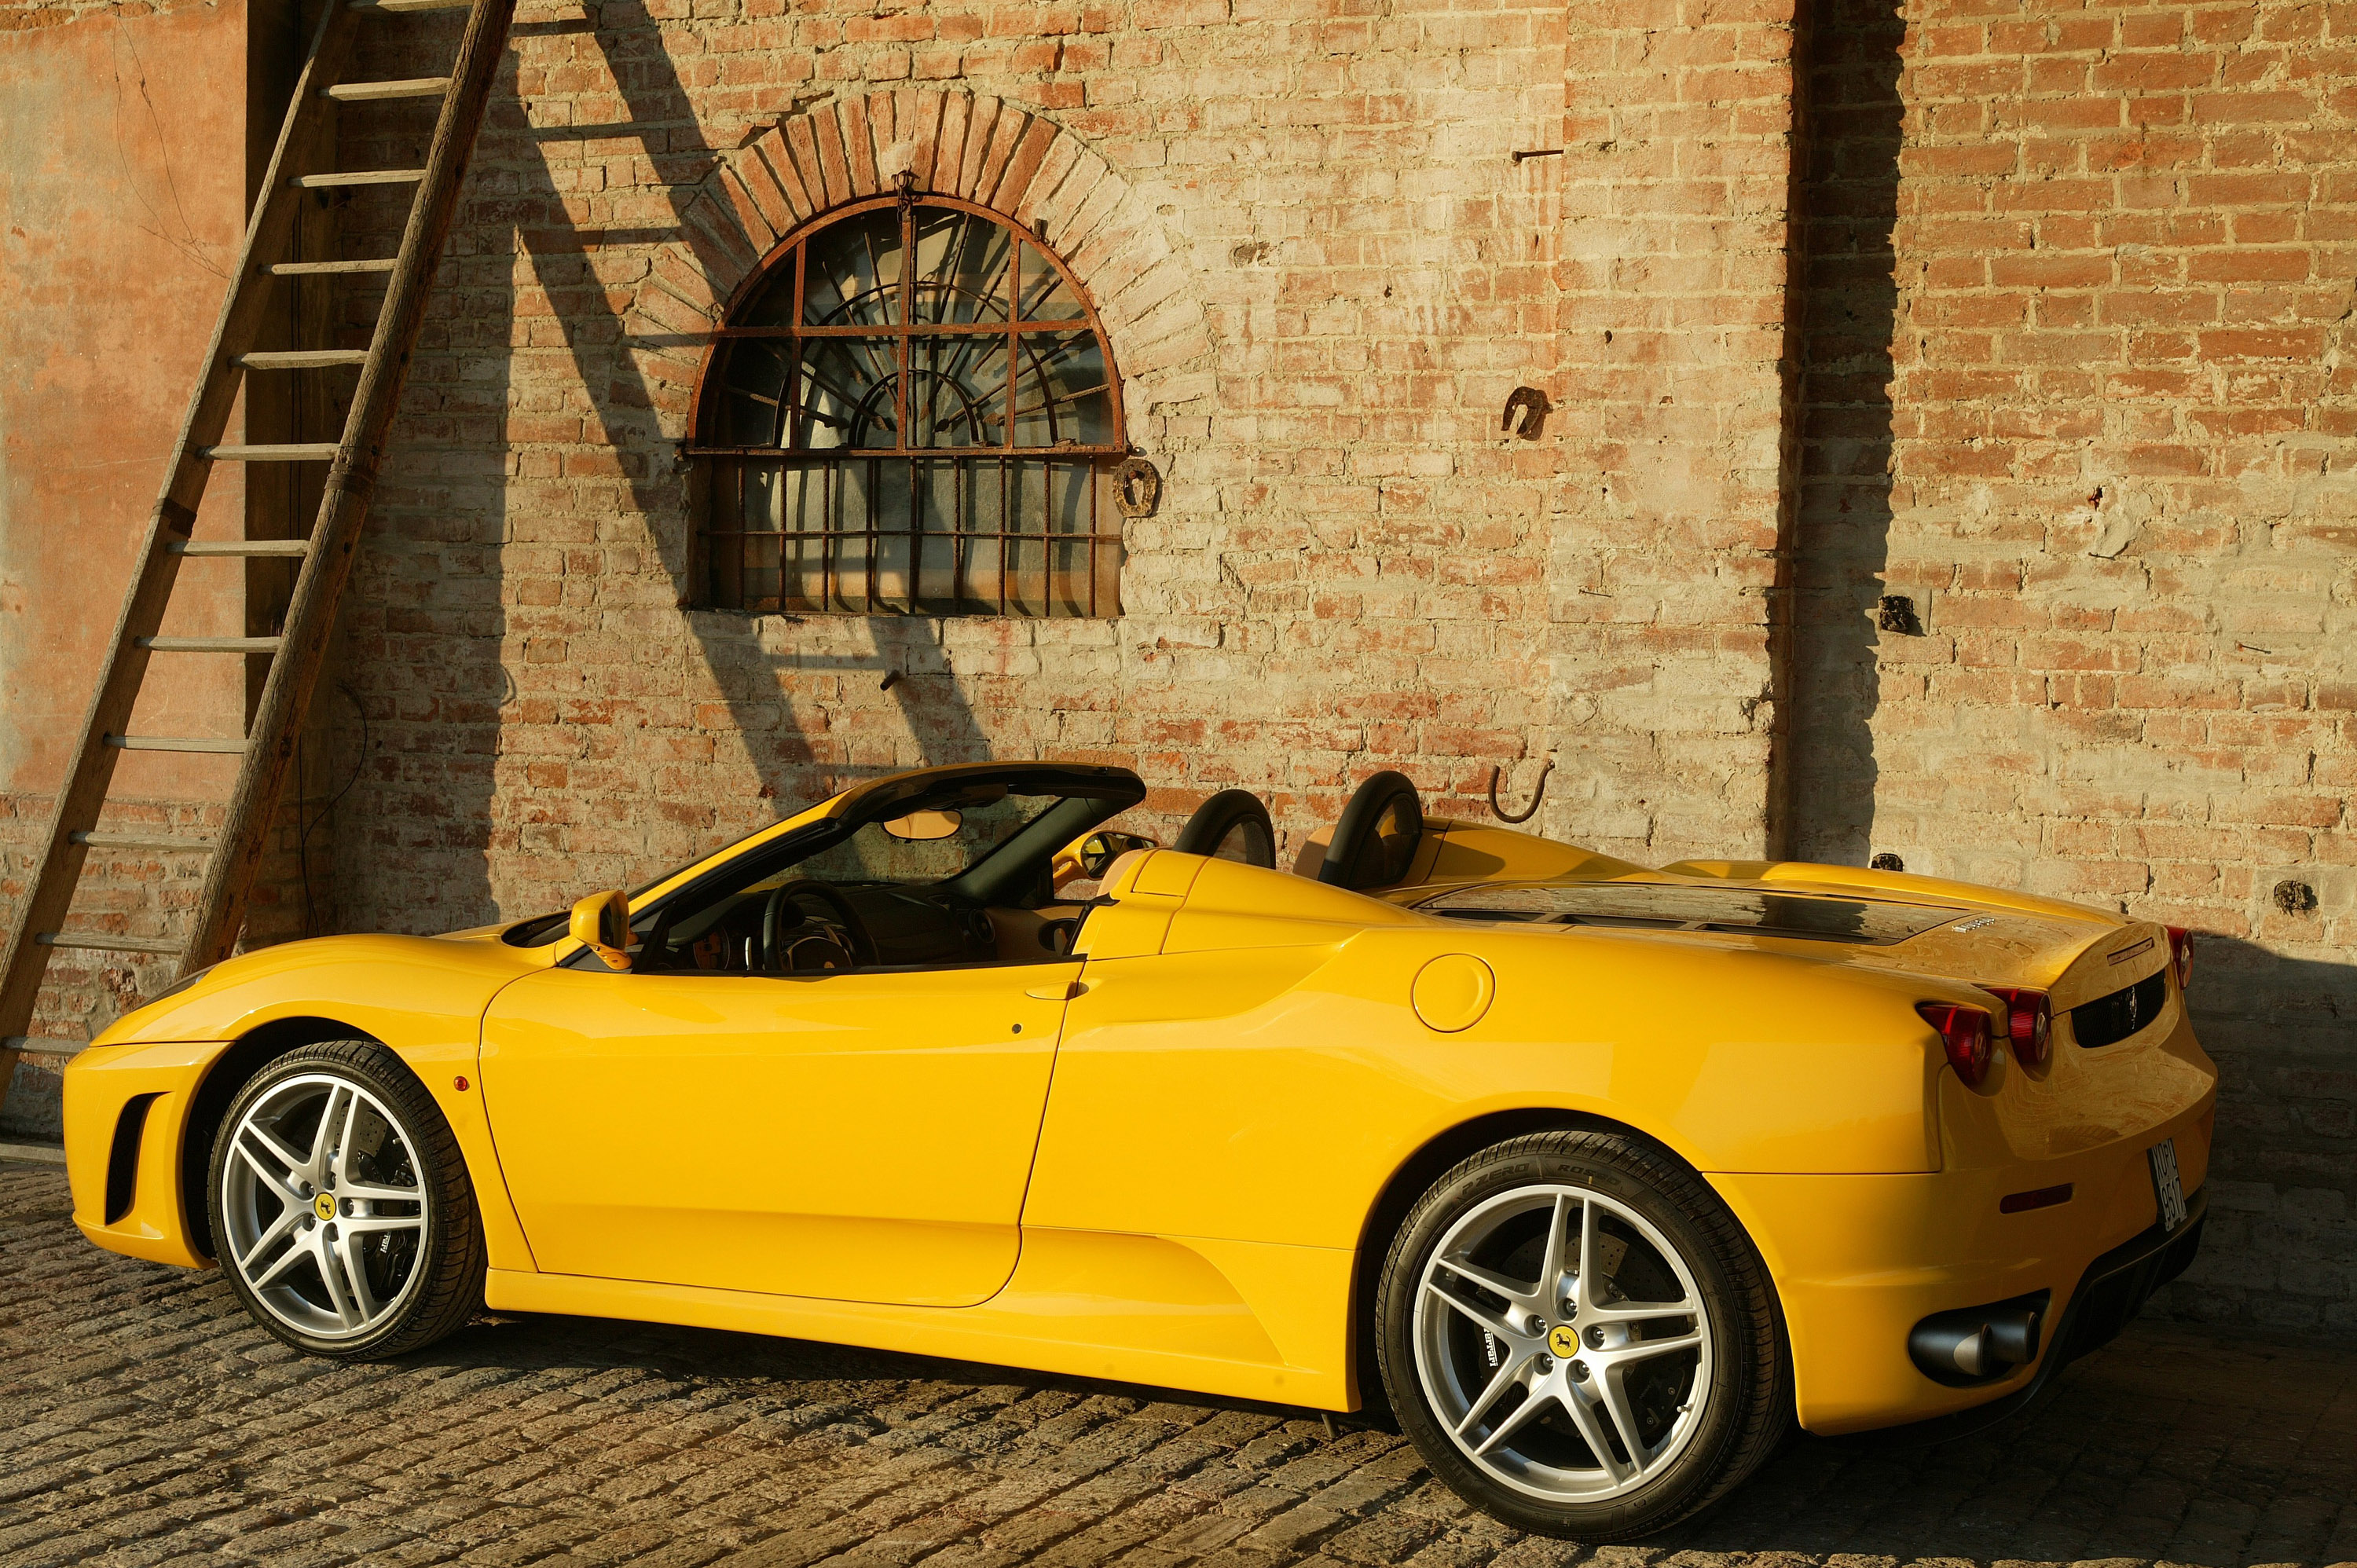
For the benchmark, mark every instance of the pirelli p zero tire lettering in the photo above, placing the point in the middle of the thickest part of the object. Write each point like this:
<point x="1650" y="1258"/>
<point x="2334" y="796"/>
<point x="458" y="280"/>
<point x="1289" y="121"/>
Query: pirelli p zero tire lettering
<point x="1580" y="1339"/>
<point x="340" y="1207"/>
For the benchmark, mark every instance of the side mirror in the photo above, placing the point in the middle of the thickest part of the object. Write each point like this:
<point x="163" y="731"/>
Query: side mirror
<point x="603" y="922"/>
<point x="1088" y="859"/>
<point x="1099" y="850"/>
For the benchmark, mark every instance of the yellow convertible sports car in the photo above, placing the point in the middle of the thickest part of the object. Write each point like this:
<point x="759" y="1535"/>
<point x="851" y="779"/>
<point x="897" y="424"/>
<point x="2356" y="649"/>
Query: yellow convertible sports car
<point x="1598" y="1176"/>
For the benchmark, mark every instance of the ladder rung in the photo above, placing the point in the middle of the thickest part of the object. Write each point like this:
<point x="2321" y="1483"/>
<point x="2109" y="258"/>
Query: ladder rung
<point x="402" y="7"/>
<point x="309" y="269"/>
<point x="303" y="452"/>
<point x="107" y="944"/>
<point x="302" y="358"/>
<point x="38" y="1046"/>
<point x="176" y="743"/>
<point x="364" y="176"/>
<point x="143" y="841"/>
<point x="241" y="547"/>
<point x="374" y="91"/>
<point x="210" y="644"/>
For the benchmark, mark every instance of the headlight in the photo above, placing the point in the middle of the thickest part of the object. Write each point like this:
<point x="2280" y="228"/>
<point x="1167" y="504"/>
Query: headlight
<point x="179" y="985"/>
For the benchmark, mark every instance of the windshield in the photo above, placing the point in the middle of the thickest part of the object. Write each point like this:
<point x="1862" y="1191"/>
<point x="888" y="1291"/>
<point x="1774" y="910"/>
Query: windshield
<point x="875" y="855"/>
<point x="963" y="836"/>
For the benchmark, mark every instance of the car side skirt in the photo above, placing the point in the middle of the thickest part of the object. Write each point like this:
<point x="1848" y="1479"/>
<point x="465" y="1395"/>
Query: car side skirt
<point x="1237" y="1319"/>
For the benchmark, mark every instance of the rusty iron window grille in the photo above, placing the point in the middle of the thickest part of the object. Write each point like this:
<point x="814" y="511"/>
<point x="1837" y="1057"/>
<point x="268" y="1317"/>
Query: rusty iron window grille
<point x="911" y="410"/>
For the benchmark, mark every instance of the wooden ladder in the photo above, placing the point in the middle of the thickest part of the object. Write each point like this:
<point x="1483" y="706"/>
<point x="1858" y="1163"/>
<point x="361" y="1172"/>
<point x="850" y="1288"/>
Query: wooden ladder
<point x="298" y="165"/>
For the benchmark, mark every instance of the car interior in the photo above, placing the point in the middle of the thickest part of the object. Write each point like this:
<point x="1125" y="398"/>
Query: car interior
<point x="1000" y="868"/>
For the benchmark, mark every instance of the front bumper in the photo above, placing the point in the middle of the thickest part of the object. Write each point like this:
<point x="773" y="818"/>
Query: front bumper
<point x="127" y="1115"/>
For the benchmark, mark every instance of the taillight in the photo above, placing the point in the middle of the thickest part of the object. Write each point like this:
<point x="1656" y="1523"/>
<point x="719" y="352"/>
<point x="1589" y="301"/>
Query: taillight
<point x="2029" y="1023"/>
<point x="1964" y="1031"/>
<point x="2181" y="954"/>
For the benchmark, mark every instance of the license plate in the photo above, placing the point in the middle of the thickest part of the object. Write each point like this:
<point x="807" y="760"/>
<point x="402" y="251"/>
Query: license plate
<point x="2166" y="1185"/>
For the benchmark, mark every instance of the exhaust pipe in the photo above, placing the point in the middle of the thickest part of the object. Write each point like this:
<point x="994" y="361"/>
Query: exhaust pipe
<point x="1977" y="1344"/>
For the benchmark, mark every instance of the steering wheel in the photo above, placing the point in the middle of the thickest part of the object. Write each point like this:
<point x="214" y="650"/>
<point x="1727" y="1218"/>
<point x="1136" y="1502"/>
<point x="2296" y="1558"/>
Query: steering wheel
<point x="775" y="925"/>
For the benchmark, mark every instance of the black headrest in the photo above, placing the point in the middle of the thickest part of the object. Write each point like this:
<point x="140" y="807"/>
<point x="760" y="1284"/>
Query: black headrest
<point x="1374" y="844"/>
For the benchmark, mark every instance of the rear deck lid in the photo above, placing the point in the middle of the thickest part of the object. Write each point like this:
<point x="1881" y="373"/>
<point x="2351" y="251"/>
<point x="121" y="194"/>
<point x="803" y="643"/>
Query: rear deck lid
<point x="1986" y="944"/>
<point x="1685" y="907"/>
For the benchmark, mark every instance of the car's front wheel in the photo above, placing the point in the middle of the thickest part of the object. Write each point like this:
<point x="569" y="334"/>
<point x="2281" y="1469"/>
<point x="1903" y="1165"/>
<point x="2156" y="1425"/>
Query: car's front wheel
<point x="340" y="1207"/>
<point x="1580" y="1339"/>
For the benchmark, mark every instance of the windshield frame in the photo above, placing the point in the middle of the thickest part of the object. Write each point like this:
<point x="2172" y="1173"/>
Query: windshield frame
<point x="1109" y="791"/>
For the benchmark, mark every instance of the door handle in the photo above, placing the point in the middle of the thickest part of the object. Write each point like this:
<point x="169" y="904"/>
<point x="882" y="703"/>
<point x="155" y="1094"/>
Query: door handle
<point x="1061" y="990"/>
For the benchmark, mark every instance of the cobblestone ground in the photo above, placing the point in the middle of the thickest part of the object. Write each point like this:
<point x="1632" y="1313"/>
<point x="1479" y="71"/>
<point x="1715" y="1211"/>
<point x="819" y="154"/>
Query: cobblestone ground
<point x="143" y="1420"/>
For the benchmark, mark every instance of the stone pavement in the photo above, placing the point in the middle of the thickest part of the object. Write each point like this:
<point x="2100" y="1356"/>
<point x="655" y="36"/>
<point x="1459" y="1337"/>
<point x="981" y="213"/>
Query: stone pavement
<point x="143" y="1420"/>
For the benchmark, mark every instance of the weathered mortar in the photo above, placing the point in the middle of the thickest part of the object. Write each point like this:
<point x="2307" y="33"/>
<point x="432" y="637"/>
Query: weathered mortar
<point x="2034" y="319"/>
<point x="2076" y="387"/>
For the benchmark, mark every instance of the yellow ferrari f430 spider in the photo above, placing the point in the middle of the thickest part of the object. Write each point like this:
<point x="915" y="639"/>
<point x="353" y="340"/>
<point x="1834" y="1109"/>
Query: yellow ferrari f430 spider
<point x="1597" y="1177"/>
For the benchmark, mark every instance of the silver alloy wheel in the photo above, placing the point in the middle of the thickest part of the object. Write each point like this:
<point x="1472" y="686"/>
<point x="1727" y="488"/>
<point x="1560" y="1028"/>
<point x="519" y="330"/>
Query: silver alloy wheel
<point x="323" y="1207"/>
<point x="1547" y="1372"/>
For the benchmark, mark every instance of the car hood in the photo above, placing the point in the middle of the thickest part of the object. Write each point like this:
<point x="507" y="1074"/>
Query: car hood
<point x="374" y="984"/>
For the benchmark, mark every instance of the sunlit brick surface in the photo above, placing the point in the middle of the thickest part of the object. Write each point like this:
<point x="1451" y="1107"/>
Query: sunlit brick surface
<point x="2037" y="317"/>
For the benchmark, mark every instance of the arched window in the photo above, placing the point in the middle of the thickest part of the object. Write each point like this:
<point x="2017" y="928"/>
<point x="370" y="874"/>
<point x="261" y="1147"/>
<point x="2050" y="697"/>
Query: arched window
<point x="911" y="411"/>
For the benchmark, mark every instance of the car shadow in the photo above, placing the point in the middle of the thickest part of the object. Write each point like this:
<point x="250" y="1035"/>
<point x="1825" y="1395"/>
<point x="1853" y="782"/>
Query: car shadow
<point x="2170" y="1444"/>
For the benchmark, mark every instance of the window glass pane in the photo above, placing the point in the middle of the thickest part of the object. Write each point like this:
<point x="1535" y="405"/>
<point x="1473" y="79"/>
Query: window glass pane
<point x="773" y="304"/>
<point x="752" y="409"/>
<point x="868" y="513"/>
<point x="1043" y="295"/>
<point x="931" y="520"/>
<point x="1063" y="395"/>
<point x="957" y="391"/>
<point x="805" y="551"/>
<point x="962" y="264"/>
<point x="761" y="571"/>
<point x="848" y="385"/>
<point x="852" y="273"/>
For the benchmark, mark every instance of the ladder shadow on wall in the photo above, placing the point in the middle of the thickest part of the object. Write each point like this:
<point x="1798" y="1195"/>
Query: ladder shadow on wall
<point x="509" y="211"/>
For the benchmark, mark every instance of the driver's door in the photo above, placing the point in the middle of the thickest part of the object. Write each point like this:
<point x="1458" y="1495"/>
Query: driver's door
<point x="863" y="1136"/>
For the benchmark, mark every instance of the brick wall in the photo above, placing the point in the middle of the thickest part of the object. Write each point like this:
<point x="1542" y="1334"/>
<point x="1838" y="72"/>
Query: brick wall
<point x="1668" y="490"/>
<point x="2030" y="317"/>
<point x="1321" y="271"/>
<point x="2074" y="384"/>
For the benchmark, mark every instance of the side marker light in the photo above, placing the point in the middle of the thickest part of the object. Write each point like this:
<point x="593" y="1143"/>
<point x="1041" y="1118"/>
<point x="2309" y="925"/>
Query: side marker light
<point x="2044" y="1197"/>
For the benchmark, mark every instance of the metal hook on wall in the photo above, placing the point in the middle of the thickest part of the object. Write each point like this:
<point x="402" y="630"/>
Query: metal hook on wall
<point x="1537" y="794"/>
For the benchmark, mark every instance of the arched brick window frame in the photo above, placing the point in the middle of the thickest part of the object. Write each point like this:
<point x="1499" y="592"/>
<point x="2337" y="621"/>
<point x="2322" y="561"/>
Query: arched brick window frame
<point x="910" y="408"/>
<point x="1000" y="158"/>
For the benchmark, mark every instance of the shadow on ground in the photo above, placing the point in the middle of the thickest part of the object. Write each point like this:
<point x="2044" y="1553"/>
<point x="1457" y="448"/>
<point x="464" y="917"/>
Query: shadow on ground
<point x="153" y="1422"/>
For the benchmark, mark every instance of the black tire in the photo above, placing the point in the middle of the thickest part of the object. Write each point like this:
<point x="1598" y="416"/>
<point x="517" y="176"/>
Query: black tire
<point x="1231" y="825"/>
<point x="1748" y="1408"/>
<point x="1375" y="838"/>
<point x="439" y="1285"/>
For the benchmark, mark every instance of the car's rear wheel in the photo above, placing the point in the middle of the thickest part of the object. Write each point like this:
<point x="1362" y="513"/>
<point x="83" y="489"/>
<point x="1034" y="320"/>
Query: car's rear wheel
<point x="340" y="1207"/>
<point x="1580" y="1339"/>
